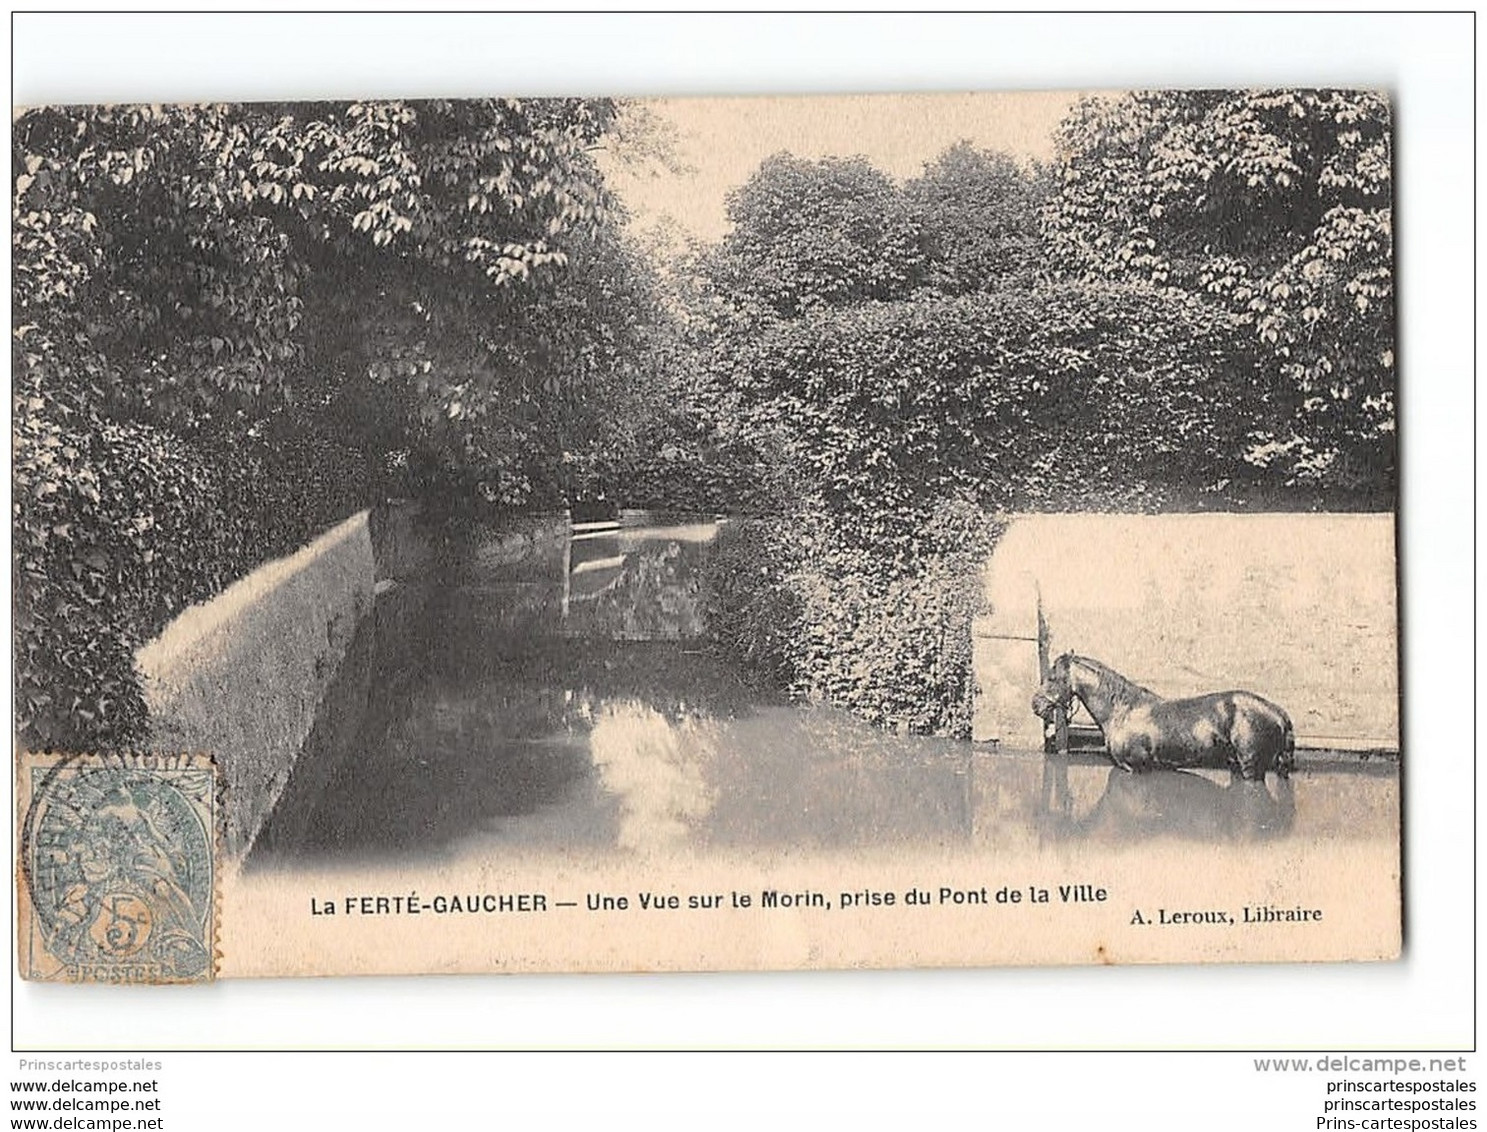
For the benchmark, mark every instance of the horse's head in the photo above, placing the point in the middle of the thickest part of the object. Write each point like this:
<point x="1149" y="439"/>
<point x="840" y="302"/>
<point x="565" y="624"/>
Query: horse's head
<point x="1057" y="690"/>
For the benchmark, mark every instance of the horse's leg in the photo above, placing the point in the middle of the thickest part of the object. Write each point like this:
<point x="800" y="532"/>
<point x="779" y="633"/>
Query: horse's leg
<point x="1119" y="751"/>
<point x="1285" y="756"/>
<point x="1250" y="767"/>
<point x="1245" y="745"/>
<point x="1234" y="760"/>
<point x="1285" y="796"/>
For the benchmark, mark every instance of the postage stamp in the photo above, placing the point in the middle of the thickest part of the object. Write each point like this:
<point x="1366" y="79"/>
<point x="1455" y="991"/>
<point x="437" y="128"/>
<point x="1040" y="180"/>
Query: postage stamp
<point x="118" y="857"/>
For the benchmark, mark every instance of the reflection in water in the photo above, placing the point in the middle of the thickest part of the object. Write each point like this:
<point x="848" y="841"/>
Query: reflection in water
<point x="657" y="770"/>
<point x="547" y="692"/>
<point x="1172" y="803"/>
<point x="818" y="778"/>
<point x="638" y="585"/>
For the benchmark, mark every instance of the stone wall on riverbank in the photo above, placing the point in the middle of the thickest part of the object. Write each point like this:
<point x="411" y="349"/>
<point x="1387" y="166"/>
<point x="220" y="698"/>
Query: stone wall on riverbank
<point x="1300" y="608"/>
<point x="242" y="676"/>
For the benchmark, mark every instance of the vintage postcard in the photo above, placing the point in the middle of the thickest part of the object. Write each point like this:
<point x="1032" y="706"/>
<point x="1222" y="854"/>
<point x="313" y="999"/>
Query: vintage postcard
<point x="510" y="535"/>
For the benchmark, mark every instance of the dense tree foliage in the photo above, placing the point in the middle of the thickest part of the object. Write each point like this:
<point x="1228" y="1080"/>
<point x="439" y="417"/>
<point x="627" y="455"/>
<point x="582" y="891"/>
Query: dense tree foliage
<point x="1068" y="395"/>
<point x="694" y="447"/>
<point x="232" y="324"/>
<point x="808" y="234"/>
<point x="1276" y="206"/>
<point x="196" y="266"/>
<point x="885" y="635"/>
<point x="1193" y="311"/>
<point x="976" y="376"/>
<point x="228" y="318"/>
<point x="875" y="405"/>
<point x="522" y="398"/>
<point x="978" y="211"/>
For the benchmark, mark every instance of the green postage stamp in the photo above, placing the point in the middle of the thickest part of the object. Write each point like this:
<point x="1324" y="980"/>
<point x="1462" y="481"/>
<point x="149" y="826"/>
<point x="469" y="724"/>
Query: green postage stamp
<point x="118" y="857"/>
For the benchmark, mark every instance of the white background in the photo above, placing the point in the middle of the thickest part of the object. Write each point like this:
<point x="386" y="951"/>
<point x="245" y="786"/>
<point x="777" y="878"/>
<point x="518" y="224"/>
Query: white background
<point x="1425" y="1001"/>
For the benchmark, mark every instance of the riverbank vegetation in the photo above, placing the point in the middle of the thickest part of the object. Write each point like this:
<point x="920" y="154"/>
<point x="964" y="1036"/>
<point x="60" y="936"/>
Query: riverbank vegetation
<point x="1192" y="310"/>
<point x="236" y="324"/>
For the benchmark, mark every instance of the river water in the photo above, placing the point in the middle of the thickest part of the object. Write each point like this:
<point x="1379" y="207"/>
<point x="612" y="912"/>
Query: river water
<point x="548" y="691"/>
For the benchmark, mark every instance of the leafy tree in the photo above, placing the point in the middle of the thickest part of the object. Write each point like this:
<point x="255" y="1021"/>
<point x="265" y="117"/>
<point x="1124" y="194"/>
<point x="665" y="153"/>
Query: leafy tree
<point x="813" y="237"/>
<point x="454" y="325"/>
<point x="808" y="234"/>
<point x="210" y="300"/>
<point x="979" y="213"/>
<point x="176" y="249"/>
<point x="1277" y="206"/>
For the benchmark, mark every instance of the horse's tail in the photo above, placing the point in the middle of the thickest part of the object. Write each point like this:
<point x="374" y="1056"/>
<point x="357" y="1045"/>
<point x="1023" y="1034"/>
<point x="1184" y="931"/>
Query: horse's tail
<point x="1285" y="761"/>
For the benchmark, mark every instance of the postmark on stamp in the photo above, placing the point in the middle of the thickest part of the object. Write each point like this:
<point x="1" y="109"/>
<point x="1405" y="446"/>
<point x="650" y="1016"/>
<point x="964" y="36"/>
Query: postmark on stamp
<point x="118" y="858"/>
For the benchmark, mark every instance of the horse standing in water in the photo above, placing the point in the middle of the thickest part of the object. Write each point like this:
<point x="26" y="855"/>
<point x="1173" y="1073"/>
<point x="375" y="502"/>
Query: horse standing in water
<point x="1142" y="730"/>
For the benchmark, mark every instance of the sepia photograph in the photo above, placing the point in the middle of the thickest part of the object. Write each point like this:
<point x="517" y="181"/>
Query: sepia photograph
<point x="680" y="534"/>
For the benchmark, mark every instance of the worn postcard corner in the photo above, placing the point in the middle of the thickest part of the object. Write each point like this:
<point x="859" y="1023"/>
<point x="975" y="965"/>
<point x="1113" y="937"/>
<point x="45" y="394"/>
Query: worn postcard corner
<point x="118" y="867"/>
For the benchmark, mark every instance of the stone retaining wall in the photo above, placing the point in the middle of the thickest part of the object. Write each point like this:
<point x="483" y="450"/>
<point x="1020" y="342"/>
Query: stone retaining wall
<point x="242" y="676"/>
